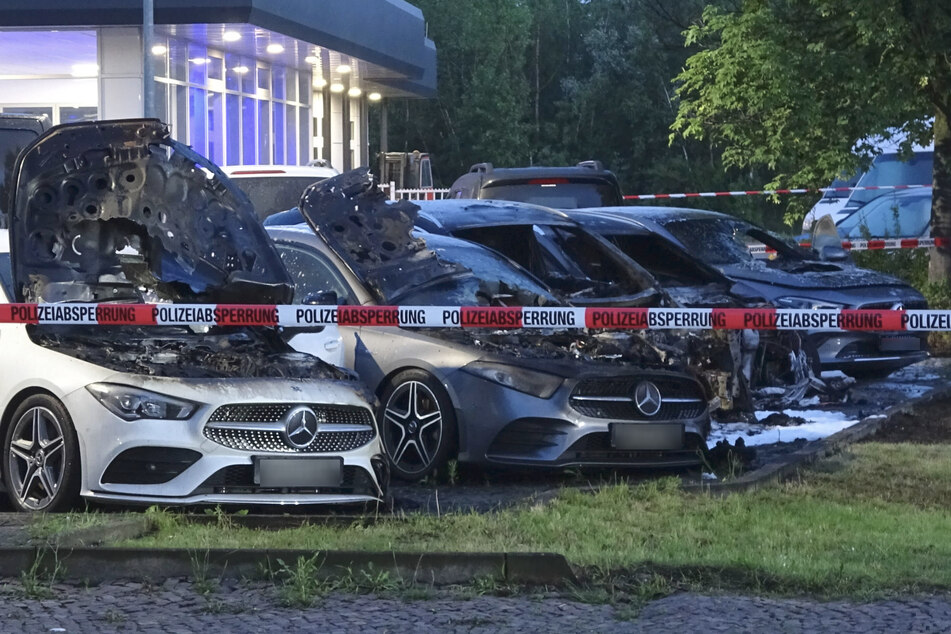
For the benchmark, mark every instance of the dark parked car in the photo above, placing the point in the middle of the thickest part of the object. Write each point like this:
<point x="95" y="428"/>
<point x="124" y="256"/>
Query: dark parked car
<point x="590" y="271"/>
<point x="587" y="184"/>
<point x="791" y="277"/>
<point x="549" y="398"/>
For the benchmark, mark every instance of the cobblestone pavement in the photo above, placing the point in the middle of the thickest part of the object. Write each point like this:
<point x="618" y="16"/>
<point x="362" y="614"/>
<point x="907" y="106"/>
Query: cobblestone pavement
<point x="176" y="606"/>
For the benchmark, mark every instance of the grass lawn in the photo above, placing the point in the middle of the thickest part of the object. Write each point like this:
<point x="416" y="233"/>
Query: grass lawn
<point x="873" y="521"/>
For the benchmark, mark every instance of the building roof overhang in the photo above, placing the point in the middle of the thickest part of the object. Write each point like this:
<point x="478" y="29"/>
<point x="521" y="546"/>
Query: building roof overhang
<point x="390" y="34"/>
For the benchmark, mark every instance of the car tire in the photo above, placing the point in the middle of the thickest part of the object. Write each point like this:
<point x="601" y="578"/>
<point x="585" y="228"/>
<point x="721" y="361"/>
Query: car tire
<point x="40" y="466"/>
<point x="417" y="424"/>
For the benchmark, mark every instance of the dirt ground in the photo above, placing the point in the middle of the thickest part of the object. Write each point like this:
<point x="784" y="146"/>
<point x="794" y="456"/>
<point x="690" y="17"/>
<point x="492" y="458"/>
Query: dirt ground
<point x="928" y="426"/>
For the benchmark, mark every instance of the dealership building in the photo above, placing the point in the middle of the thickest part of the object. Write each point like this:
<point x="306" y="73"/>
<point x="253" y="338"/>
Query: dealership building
<point x="245" y="82"/>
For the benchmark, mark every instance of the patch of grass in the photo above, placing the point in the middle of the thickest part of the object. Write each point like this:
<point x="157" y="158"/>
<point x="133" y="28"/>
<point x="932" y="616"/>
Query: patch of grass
<point x="48" y="527"/>
<point x="36" y="582"/>
<point x="871" y="522"/>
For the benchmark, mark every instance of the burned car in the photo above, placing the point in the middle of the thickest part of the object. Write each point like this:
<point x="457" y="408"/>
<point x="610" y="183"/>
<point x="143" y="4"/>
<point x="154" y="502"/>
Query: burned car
<point x="744" y="369"/>
<point x="551" y="398"/>
<point x="119" y="214"/>
<point x="787" y="277"/>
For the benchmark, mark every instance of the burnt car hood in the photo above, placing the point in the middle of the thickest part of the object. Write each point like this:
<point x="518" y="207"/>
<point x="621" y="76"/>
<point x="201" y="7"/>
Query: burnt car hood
<point x="810" y="275"/>
<point x="373" y="238"/>
<point x="119" y="211"/>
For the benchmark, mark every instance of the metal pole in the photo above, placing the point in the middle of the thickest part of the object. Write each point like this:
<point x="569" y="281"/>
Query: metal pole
<point x="148" y="65"/>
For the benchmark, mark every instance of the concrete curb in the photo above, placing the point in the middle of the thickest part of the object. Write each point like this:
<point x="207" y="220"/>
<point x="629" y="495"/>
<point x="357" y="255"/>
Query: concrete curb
<point x="98" y="565"/>
<point x="789" y="465"/>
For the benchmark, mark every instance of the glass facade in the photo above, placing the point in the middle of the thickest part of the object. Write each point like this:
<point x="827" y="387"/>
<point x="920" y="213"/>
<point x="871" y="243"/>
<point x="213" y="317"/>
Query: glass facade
<point x="235" y="110"/>
<point x="50" y="72"/>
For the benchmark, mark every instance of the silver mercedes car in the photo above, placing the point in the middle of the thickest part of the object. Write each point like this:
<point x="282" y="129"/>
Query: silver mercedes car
<point x="552" y="398"/>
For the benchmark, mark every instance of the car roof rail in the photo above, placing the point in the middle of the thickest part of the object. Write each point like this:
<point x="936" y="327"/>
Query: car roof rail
<point x="593" y="165"/>
<point x="481" y="168"/>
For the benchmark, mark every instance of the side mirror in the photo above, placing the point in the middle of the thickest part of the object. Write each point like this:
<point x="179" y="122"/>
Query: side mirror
<point x="321" y="298"/>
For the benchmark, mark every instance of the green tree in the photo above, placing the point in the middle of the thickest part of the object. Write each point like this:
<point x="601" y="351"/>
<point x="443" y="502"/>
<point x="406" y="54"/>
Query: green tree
<point x="794" y="85"/>
<point x="482" y="108"/>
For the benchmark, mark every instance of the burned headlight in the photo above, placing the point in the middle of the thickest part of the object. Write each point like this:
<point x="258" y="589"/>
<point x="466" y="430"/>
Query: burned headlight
<point x="132" y="403"/>
<point x="805" y="302"/>
<point x="540" y="384"/>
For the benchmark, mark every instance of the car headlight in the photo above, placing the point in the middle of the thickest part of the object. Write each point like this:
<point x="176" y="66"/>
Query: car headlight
<point x="805" y="302"/>
<point x="132" y="403"/>
<point x="540" y="384"/>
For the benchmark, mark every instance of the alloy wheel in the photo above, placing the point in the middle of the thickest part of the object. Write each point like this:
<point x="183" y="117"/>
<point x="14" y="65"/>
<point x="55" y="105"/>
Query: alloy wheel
<point x="413" y="427"/>
<point x="36" y="458"/>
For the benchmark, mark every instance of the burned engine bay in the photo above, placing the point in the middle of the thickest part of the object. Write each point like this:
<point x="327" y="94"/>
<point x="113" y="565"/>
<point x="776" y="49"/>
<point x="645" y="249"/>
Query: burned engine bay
<point x="178" y="351"/>
<point x="119" y="212"/>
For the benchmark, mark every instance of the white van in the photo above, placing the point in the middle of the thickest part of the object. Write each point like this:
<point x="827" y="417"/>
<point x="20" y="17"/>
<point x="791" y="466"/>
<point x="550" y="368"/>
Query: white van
<point x="887" y="170"/>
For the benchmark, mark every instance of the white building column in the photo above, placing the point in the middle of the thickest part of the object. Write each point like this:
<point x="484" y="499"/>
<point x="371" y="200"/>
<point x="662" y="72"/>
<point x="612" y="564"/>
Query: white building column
<point x="120" y="72"/>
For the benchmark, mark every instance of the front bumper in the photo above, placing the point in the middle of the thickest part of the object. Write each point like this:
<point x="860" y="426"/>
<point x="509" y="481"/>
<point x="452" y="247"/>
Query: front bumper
<point x="503" y="426"/>
<point x="869" y="352"/>
<point x="176" y="462"/>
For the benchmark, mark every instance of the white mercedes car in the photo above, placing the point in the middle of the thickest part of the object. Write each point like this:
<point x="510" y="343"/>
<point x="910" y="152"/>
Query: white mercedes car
<point x="118" y="212"/>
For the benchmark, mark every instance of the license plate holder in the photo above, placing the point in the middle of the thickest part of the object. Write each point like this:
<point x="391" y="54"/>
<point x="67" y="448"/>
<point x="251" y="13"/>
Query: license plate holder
<point x="298" y="472"/>
<point x="647" y="436"/>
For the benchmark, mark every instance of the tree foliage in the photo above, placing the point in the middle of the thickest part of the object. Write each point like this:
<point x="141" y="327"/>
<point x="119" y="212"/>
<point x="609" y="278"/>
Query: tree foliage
<point x="798" y="85"/>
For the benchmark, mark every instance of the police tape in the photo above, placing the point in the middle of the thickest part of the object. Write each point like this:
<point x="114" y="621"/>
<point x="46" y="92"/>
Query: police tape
<point x="502" y="318"/>
<point x="872" y="244"/>
<point x="770" y="192"/>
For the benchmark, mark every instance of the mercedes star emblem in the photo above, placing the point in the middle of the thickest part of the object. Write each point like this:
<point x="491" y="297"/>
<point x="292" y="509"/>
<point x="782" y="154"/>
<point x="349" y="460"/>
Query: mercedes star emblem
<point x="300" y="427"/>
<point x="647" y="398"/>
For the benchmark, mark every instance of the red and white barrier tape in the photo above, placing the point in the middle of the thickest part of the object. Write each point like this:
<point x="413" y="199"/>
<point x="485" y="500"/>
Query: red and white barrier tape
<point x="874" y="244"/>
<point x="769" y="192"/>
<point x="479" y="317"/>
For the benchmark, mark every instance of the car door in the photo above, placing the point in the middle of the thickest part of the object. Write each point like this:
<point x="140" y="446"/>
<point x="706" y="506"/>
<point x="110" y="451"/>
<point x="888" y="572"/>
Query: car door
<point x="315" y="278"/>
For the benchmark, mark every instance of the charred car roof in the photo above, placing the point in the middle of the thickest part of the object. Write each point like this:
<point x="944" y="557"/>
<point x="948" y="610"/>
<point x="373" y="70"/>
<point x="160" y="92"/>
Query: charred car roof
<point x="450" y="215"/>
<point x="119" y="211"/>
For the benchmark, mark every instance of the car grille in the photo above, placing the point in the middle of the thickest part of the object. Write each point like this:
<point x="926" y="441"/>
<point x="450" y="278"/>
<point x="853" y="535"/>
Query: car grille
<point x="260" y="427"/>
<point x="614" y="398"/>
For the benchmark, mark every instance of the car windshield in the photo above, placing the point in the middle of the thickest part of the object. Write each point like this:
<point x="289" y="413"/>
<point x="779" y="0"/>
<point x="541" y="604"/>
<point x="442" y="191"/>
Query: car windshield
<point x="889" y="216"/>
<point x="725" y="241"/>
<point x="566" y="258"/>
<point x="888" y="170"/>
<point x="491" y="280"/>
<point x="559" y="193"/>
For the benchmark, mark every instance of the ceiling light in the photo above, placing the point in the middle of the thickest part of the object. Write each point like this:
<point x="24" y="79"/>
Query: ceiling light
<point x="312" y="59"/>
<point x="241" y="70"/>
<point x="336" y="87"/>
<point x="319" y="82"/>
<point x="354" y="92"/>
<point x="231" y="36"/>
<point x="374" y="96"/>
<point x="159" y="49"/>
<point x="275" y="48"/>
<point x="200" y="60"/>
<point x="343" y="69"/>
<point x="85" y="70"/>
